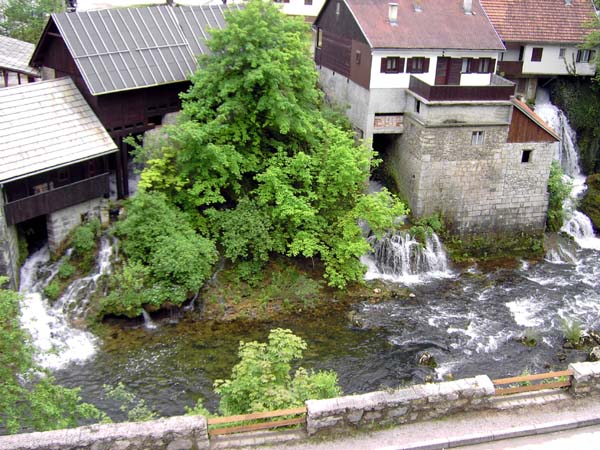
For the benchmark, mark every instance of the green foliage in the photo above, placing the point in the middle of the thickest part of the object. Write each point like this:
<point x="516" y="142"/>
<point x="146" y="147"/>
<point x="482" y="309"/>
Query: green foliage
<point x="23" y="250"/>
<point x="29" y="398"/>
<point x="25" y="19"/>
<point x="52" y="290"/>
<point x="66" y="270"/>
<point x="494" y="246"/>
<point x="135" y="408"/>
<point x="261" y="381"/>
<point x="590" y="203"/>
<point x="84" y="238"/>
<point x="580" y="99"/>
<point x="559" y="189"/>
<point x="257" y="164"/>
<point x="166" y="259"/>
<point x="426" y="226"/>
<point x="292" y="287"/>
<point x="572" y="331"/>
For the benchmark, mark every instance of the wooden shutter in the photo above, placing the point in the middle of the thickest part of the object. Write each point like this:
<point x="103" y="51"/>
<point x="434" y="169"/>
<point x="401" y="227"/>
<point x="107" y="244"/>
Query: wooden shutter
<point x="400" y="65"/>
<point x="492" y="65"/>
<point x="425" y="65"/>
<point x="383" y="65"/>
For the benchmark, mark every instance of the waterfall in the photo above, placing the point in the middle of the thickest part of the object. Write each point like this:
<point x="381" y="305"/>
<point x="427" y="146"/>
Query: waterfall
<point x="148" y="324"/>
<point x="576" y="224"/>
<point x="399" y="257"/>
<point x="51" y="325"/>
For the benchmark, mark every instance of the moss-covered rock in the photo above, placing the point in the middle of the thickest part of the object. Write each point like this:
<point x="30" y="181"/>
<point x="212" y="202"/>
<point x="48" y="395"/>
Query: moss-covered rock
<point x="590" y="203"/>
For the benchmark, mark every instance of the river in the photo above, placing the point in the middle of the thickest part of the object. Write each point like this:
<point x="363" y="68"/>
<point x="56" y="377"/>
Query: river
<point x="470" y="319"/>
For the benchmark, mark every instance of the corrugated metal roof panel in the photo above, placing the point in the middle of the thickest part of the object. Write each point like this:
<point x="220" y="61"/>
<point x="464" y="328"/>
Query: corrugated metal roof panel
<point x="47" y="125"/>
<point x="15" y="56"/>
<point x="128" y="48"/>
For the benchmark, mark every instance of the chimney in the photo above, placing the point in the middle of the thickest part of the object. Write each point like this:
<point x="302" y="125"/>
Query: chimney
<point x="468" y="5"/>
<point x="568" y="2"/>
<point x="393" y="13"/>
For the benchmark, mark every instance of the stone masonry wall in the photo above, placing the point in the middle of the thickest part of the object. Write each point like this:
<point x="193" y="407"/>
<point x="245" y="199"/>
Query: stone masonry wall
<point x="586" y="378"/>
<point x="478" y="188"/>
<point x="9" y="249"/>
<point x="416" y="403"/>
<point x="60" y="223"/>
<point x="175" y="433"/>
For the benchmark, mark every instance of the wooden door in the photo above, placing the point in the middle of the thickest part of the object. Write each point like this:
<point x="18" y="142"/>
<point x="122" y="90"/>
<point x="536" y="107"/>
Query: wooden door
<point x="442" y="70"/>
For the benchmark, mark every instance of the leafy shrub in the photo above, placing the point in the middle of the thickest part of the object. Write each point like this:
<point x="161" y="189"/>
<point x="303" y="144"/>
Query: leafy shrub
<point x="52" y="290"/>
<point x="261" y="381"/>
<point x="426" y="226"/>
<point x="590" y="203"/>
<point x="84" y="238"/>
<point x="559" y="189"/>
<point x="135" y="408"/>
<point x="66" y="270"/>
<point x="166" y="259"/>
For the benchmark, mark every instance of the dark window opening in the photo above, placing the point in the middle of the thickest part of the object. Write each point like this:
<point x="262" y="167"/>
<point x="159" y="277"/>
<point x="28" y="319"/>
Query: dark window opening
<point x="417" y="106"/>
<point x="526" y="156"/>
<point x="477" y="138"/>
<point x="521" y="52"/>
<point x="308" y="2"/>
<point x="536" y="54"/>
<point x="155" y="120"/>
<point x="585" y="56"/>
<point x="357" y="57"/>
<point x="319" y="38"/>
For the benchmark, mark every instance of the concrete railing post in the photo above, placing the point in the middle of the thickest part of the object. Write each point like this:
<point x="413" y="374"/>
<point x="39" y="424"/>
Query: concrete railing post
<point x="586" y="378"/>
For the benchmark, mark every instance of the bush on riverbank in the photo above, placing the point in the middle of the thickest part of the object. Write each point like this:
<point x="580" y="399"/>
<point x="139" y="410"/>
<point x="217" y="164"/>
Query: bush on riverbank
<point x="558" y="190"/>
<point x="165" y="258"/>
<point x="590" y="203"/>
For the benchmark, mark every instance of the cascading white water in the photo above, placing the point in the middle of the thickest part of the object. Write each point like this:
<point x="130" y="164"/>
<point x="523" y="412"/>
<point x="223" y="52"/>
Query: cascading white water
<point x="399" y="257"/>
<point x="577" y="224"/>
<point x="57" y="341"/>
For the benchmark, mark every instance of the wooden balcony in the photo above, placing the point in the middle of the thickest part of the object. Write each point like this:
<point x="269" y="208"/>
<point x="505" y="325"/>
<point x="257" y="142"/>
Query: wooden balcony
<point x="56" y="199"/>
<point x="510" y="68"/>
<point x="498" y="89"/>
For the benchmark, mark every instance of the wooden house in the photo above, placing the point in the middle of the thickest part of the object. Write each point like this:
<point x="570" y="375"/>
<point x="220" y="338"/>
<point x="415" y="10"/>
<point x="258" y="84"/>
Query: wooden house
<point x="14" y="62"/>
<point x="130" y="64"/>
<point x="54" y="170"/>
<point x="543" y="39"/>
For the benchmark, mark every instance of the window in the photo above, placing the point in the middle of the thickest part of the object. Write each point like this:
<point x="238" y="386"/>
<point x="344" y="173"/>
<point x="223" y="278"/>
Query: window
<point x="478" y="65"/>
<point x="562" y="53"/>
<point x="585" y="56"/>
<point x="536" y="54"/>
<point x="337" y="9"/>
<point x="319" y="38"/>
<point x="308" y="2"/>
<point x="417" y="65"/>
<point x="417" y="106"/>
<point x="357" y="57"/>
<point x="526" y="156"/>
<point x="477" y="138"/>
<point x="392" y="64"/>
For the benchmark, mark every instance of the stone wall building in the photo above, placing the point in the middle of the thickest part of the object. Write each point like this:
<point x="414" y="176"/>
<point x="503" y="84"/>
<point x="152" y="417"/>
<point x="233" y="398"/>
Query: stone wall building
<point x="418" y="83"/>
<point x="55" y="165"/>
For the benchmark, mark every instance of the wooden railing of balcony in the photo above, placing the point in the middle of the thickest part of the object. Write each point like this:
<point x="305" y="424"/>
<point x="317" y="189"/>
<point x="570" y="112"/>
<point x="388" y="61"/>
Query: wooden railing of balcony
<point x="461" y="93"/>
<point x="56" y="199"/>
<point x="510" y="68"/>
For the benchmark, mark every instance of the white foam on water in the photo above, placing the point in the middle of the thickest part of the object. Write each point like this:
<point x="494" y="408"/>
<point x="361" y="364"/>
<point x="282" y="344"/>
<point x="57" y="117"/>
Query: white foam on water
<point x="526" y="312"/>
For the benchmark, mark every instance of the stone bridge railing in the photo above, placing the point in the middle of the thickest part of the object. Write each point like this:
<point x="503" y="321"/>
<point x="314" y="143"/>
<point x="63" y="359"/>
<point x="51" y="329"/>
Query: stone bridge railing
<point x="375" y="409"/>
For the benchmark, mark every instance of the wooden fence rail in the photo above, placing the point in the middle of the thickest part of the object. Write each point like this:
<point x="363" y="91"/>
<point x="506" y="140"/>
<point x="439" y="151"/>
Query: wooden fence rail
<point x="229" y="420"/>
<point x="549" y="380"/>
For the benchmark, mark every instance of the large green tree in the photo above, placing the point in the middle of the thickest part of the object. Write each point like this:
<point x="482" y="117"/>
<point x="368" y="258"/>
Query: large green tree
<point x="25" y="19"/>
<point x="29" y="398"/>
<point x="256" y="162"/>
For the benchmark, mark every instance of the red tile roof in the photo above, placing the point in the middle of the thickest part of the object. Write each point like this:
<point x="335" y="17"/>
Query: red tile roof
<point x="441" y="24"/>
<point x="540" y="20"/>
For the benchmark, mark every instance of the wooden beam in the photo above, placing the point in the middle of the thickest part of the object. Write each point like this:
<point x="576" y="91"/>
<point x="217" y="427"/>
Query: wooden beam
<point x="538" y="376"/>
<point x="258" y="415"/>
<point x="533" y="387"/>
<point x="256" y="426"/>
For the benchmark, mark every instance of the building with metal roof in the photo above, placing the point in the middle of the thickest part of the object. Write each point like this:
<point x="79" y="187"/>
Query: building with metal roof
<point x="14" y="61"/>
<point x="55" y="157"/>
<point x="130" y="64"/>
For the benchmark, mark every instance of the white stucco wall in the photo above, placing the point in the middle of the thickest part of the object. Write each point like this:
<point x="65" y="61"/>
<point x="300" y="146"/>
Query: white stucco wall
<point x="551" y="63"/>
<point x="401" y="80"/>
<point x="298" y="8"/>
